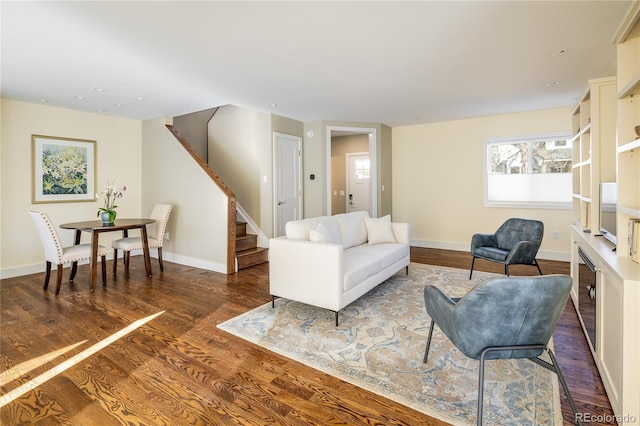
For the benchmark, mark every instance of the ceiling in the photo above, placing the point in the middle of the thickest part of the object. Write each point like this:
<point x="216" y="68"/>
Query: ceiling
<point x="397" y="63"/>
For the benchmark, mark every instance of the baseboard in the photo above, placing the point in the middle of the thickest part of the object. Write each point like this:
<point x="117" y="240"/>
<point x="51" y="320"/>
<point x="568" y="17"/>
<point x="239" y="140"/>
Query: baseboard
<point x="444" y="245"/>
<point x="169" y="257"/>
<point x="221" y="268"/>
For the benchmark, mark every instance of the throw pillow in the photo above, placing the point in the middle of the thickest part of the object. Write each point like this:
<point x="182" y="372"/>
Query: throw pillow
<point x="320" y="234"/>
<point x="379" y="230"/>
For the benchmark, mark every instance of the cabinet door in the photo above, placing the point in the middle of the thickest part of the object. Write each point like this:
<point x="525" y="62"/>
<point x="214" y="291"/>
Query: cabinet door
<point x="610" y="332"/>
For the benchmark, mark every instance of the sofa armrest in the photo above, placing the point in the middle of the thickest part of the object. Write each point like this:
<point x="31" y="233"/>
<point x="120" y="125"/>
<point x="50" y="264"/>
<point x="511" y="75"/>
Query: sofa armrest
<point x="308" y="272"/>
<point x="400" y="232"/>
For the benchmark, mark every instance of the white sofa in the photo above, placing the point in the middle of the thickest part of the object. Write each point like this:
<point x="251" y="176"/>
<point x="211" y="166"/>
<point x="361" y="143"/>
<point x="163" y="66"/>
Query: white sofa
<point x="330" y="261"/>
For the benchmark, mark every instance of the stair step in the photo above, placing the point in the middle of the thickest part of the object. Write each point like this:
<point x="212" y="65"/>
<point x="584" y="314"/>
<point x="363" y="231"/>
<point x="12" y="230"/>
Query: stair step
<point x="246" y="242"/>
<point x="251" y="257"/>
<point x="241" y="229"/>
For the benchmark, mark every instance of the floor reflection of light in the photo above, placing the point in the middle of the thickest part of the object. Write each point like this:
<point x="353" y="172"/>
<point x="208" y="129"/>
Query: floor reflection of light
<point x="21" y="369"/>
<point x="27" y="366"/>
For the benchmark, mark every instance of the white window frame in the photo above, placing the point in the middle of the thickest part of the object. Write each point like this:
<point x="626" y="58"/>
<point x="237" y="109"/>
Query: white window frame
<point x="519" y="204"/>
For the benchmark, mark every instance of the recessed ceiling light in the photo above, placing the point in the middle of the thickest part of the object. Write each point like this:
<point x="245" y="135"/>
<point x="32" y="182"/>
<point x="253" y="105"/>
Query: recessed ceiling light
<point x="44" y="101"/>
<point x="117" y="105"/>
<point x="558" y="52"/>
<point x="102" y="110"/>
<point x="552" y="83"/>
<point x="98" y="89"/>
<point x="139" y="98"/>
<point x="273" y="105"/>
<point x="80" y="98"/>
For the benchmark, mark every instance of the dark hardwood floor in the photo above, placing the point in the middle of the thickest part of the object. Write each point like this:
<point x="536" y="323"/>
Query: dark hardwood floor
<point x="180" y="369"/>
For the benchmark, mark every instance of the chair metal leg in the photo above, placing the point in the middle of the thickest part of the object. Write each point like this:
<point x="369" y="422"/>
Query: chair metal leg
<point x="426" y="350"/>
<point x="472" y="263"/>
<point x="47" y="276"/>
<point x="555" y="367"/>
<point x="59" y="279"/>
<point x="480" y="387"/>
<point x="535" y="262"/>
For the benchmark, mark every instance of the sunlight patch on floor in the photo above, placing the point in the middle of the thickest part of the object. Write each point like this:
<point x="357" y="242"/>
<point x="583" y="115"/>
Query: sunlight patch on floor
<point x="25" y="367"/>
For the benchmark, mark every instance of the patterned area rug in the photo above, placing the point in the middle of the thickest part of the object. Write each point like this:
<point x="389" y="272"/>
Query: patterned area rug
<point x="379" y="345"/>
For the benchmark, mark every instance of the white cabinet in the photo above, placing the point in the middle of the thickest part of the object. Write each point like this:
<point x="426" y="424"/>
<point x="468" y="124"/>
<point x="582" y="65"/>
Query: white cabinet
<point x="614" y="334"/>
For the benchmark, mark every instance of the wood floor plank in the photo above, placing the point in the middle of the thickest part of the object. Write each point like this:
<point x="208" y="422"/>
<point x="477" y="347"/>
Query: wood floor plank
<point x="181" y="369"/>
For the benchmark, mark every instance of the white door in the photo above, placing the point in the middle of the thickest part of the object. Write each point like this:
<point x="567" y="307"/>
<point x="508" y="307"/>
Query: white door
<point x="358" y="182"/>
<point x="287" y="180"/>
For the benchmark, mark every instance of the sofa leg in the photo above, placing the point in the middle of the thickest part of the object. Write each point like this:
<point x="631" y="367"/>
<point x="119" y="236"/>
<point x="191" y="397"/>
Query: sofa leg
<point x="336" y="318"/>
<point x="407" y="269"/>
<point x="273" y="301"/>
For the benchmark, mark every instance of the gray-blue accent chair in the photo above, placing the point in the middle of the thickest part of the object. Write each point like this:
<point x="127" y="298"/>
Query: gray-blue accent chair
<point x="505" y="318"/>
<point x="516" y="242"/>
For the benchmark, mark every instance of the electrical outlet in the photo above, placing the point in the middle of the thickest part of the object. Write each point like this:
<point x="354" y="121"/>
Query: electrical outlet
<point x="556" y="235"/>
<point x="167" y="237"/>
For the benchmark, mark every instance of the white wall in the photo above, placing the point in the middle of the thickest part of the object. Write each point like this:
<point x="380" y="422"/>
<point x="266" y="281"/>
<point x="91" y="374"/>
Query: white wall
<point x="240" y="152"/>
<point x="314" y="149"/>
<point x="118" y="155"/>
<point x="198" y="222"/>
<point x="438" y="180"/>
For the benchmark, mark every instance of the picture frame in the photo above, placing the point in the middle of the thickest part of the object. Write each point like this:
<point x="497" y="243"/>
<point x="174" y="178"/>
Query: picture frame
<point x="63" y="169"/>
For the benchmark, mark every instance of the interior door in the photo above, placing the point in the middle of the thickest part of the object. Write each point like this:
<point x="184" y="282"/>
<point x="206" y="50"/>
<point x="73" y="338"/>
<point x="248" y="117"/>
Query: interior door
<point x="287" y="180"/>
<point x="358" y="182"/>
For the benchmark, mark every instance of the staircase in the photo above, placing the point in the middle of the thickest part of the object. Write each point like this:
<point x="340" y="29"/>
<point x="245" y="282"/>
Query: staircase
<point x="247" y="251"/>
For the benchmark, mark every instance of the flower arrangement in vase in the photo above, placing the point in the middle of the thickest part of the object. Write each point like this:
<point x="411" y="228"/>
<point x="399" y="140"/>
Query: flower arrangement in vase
<point x="108" y="211"/>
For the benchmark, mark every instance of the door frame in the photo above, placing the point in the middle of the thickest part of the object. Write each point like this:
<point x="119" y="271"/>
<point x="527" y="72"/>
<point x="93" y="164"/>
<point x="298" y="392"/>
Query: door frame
<point x="373" y="155"/>
<point x="276" y="177"/>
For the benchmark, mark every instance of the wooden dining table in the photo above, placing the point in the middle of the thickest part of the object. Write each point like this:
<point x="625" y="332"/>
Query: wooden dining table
<point x="96" y="227"/>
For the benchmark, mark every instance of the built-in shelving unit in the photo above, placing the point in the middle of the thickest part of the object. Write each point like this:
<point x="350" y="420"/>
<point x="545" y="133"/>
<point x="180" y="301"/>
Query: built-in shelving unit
<point x="593" y="126"/>
<point x="628" y="144"/>
<point x="613" y="156"/>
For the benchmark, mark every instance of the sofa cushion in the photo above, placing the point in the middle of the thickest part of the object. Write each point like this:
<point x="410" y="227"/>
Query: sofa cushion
<point x="358" y="267"/>
<point x="389" y="253"/>
<point x="320" y="234"/>
<point x="331" y="224"/>
<point x="352" y="229"/>
<point x="301" y="229"/>
<point x="379" y="230"/>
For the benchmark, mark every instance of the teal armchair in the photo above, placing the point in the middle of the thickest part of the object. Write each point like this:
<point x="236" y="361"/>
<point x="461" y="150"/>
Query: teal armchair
<point x="516" y="242"/>
<point x="505" y="318"/>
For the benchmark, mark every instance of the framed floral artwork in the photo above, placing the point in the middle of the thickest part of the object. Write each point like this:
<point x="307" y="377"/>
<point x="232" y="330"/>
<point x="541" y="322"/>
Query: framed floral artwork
<point x="64" y="169"/>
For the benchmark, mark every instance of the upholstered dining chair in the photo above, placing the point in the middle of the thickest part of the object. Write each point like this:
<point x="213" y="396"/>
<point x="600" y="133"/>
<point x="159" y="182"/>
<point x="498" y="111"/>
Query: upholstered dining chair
<point x="504" y="318"/>
<point x="155" y="236"/>
<point x="54" y="253"/>
<point x="516" y="242"/>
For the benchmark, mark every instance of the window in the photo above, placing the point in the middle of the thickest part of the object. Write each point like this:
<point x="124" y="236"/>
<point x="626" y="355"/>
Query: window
<point x="530" y="172"/>
<point x="362" y="169"/>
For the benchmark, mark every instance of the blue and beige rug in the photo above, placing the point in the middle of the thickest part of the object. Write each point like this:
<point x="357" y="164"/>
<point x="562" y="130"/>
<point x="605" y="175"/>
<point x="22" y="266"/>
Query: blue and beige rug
<point x="379" y="345"/>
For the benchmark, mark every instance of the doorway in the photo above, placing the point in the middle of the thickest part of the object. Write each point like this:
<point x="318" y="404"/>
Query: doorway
<point x="358" y="176"/>
<point x="287" y="181"/>
<point x="337" y="198"/>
